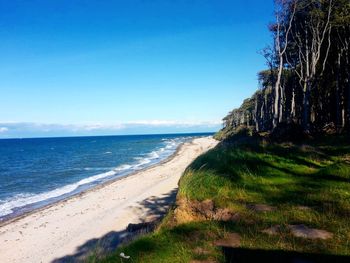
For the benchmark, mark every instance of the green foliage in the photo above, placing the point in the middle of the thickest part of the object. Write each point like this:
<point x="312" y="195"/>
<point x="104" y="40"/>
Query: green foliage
<point x="234" y="134"/>
<point x="311" y="88"/>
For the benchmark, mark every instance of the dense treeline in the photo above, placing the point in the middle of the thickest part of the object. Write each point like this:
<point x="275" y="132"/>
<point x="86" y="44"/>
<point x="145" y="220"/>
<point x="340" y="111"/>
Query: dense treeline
<point x="307" y="80"/>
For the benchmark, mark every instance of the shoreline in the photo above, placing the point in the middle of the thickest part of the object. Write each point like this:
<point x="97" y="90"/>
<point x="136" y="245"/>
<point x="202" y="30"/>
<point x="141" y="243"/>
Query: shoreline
<point x="63" y="228"/>
<point x="14" y="218"/>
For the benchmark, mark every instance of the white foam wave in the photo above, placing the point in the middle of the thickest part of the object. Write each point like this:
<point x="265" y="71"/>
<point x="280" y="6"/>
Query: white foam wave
<point x="169" y="147"/>
<point x="94" y="168"/>
<point x="142" y="162"/>
<point x="123" y="167"/>
<point x="150" y="157"/>
<point x="154" y="155"/>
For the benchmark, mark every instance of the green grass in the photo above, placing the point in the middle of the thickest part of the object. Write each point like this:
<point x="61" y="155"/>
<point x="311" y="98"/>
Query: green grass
<point x="176" y="244"/>
<point x="286" y="176"/>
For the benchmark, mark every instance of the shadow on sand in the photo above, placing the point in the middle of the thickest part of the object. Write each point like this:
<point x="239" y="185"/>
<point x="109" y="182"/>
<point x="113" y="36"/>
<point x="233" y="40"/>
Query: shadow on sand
<point x="153" y="209"/>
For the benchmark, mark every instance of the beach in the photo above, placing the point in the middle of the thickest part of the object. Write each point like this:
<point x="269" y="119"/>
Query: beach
<point x="69" y="228"/>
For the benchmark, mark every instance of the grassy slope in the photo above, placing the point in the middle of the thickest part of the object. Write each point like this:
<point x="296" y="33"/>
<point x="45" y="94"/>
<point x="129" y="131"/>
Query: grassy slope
<point x="287" y="176"/>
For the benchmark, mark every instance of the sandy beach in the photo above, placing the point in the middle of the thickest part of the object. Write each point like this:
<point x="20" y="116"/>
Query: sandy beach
<point x="71" y="228"/>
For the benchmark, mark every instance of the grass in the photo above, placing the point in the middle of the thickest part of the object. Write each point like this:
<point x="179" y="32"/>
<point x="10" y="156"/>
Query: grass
<point x="315" y="175"/>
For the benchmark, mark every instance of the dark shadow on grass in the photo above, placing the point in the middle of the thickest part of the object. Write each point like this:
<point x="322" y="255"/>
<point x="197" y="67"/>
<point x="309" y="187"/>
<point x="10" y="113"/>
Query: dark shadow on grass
<point x="330" y="177"/>
<point x="243" y="255"/>
<point x="151" y="210"/>
<point x="224" y="161"/>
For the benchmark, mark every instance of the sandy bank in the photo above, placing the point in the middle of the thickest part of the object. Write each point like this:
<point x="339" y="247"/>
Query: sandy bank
<point x="71" y="227"/>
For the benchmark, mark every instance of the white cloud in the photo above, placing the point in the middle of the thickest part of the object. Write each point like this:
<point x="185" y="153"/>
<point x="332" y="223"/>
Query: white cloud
<point x="98" y="126"/>
<point x="3" y="129"/>
<point x="174" y="123"/>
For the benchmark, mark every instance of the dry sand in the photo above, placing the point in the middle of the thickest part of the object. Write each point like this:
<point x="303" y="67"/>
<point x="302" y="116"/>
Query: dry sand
<point x="74" y="226"/>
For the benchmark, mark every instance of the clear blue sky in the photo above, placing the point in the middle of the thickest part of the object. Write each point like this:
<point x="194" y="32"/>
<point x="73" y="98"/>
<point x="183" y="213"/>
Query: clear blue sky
<point x="132" y="66"/>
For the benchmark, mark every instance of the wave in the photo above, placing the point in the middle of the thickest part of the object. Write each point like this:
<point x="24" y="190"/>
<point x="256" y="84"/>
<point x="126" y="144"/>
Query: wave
<point x="92" y="169"/>
<point x="169" y="147"/>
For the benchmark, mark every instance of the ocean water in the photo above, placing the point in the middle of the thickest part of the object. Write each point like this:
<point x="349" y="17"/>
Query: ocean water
<point x="37" y="172"/>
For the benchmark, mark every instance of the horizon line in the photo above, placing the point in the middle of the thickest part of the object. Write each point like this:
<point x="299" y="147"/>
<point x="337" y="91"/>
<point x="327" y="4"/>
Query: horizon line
<point x="108" y="135"/>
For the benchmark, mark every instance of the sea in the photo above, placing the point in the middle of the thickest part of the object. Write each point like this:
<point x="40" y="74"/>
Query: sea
<point x="36" y="172"/>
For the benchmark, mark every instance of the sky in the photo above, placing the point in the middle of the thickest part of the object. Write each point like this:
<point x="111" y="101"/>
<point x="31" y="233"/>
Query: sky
<point x="96" y="67"/>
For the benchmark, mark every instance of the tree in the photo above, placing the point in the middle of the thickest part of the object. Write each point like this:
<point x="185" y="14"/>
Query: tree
<point x="311" y="32"/>
<point x="308" y="77"/>
<point x="281" y="29"/>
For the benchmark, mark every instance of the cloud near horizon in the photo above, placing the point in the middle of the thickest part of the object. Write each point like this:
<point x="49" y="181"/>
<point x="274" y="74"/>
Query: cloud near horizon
<point x="31" y="129"/>
<point x="3" y="129"/>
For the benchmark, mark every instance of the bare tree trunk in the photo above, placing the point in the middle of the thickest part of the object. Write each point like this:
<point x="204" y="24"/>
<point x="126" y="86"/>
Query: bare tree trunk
<point x="337" y="96"/>
<point x="348" y="101"/>
<point x="276" y="107"/>
<point x="281" y="104"/>
<point x="262" y="115"/>
<point x="306" y="108"/>
<point x="292" y="111"/>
